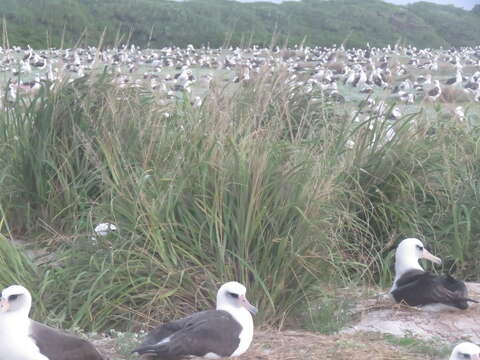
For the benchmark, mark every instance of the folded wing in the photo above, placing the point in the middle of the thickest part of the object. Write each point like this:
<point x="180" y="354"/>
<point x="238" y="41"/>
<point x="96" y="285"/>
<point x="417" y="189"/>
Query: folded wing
<point x="205" y="332"/>
<point x="418" y="287"/>
<point x="57" y="345"/>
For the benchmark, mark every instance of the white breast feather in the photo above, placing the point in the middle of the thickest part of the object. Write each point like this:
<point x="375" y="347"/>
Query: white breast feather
<point x="15" y="341"/>
<point x="245" y="319"/>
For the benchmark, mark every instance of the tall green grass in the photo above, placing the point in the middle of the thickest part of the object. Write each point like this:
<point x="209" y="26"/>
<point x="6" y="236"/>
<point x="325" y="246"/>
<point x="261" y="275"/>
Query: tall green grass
<point x="258" y="185"/>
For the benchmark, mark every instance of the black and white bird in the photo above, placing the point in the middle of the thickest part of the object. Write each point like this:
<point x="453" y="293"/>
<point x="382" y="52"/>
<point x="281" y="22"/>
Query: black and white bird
<point x="457" y="80"/>
<point x="472" y="86"/>
<point x="416" y="287"/>
<point x="465" y="351"/>
<point x="435" y="92"/>
<point x="24" y="339"/>
<point x="476" y="97"/>
<point x="224" y="332"/>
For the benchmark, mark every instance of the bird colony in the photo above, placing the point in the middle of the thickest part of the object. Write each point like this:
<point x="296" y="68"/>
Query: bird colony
<point x="394" y="74"/>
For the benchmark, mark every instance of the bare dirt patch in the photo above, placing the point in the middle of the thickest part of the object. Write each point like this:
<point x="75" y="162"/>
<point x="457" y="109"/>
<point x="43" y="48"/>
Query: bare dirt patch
<point x="293" y="345"/>
<point x="296" y="345"/>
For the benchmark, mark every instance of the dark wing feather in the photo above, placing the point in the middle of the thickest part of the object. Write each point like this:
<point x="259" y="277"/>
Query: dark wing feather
<point x="455" y="285"/>
<point x="163" y="331"/>
<point x="418" y="287"/>
<point x="355" y="82"/>
<point x="434" y="91"/>
<point x="210" y="331"/>
<point x="409" y="277"/>
<point x="57" y="345"/>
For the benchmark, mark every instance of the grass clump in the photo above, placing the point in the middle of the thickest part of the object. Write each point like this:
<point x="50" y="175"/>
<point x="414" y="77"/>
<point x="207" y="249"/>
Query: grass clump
<point x="197" y="199"/>
<point x="432" y="349"/>
<point x="16" y="266"/>
<point x="264" y="183"/>
<point x="330" y="314"/>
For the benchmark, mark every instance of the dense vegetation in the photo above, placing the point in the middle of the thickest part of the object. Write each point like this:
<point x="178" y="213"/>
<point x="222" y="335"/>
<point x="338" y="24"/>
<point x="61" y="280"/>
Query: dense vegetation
<point x="280" y="191"/>
<point x="46" y="23"/>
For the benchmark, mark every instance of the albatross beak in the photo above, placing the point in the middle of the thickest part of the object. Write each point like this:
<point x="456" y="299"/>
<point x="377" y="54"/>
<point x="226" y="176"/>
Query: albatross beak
<point x="4" y="305"/>
<point x="427" y="255"/>
<point x="247" y="305"/>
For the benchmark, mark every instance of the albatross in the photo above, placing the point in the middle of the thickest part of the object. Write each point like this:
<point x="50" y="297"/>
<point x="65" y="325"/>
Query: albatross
<point x="435" y="92"/>
<point x="24" y="339"/>
<point x="416" y="287"/>
<point x="224" y="332"/>
<point x="465" y="350"/>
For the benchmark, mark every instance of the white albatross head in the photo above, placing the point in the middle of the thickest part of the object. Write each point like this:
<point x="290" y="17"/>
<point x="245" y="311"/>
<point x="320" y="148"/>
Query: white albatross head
<point x="232" y="295"/>
<point x="408" y="252"/>
<point x="15" y="300"/>
<point x="465" y="351"/>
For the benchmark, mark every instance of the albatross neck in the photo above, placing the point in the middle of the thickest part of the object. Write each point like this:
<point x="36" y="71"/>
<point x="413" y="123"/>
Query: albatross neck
<point x="404" y="263"/>
<point x="240" y="314"/>
<point x="16" y="321"/>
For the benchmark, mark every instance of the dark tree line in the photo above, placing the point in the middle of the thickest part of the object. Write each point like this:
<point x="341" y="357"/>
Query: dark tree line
<point x="158" y="23"/>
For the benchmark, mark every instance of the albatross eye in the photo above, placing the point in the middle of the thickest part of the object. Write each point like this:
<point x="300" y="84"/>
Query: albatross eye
<point x="466" y="356"/>
<point x="13" y="297"/>
<point x="420" y="247"/>
<point x="233" y="295"/>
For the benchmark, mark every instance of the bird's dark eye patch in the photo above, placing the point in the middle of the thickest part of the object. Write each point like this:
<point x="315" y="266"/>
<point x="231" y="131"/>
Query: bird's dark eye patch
<point x="466" y="356"/>
<point x="233" y="295"/>
<point x="13" y="297"/>
<point x="420" y="247"/>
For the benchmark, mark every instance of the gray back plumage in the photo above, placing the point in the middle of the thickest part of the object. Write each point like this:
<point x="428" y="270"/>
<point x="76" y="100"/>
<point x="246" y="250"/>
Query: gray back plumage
<point x="57" y="345"/>
<point x="212" y="331"/>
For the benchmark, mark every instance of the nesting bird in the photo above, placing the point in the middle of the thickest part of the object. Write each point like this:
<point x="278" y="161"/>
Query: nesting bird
<point x="24" y="339"/>
<point x="417" y="287"/>
<point x="224" y="332"/>
<point x="367" y="70"/>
